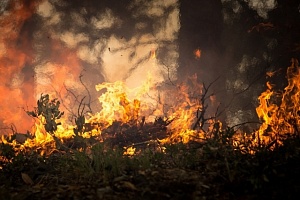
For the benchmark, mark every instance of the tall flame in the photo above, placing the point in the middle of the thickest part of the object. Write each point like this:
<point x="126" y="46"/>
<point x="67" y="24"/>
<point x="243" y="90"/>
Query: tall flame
<point x="280" y="111"/>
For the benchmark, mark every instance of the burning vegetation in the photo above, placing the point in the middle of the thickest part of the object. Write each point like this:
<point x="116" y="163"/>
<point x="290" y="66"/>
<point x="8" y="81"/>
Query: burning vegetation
<point x="137" y="131"/>
<point x="148" y="136"/>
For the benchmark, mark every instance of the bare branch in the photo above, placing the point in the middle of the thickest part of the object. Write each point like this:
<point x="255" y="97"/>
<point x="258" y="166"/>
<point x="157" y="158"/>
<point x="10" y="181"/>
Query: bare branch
<point x="88" y="92"/>
<point x="168" y="69"/>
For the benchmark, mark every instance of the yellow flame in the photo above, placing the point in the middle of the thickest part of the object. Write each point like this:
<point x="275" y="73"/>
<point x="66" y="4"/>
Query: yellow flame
<point x="117" y="104"/>
<point x="179" y="111"/>
<point x="282" y="116"/>
<point x="129" y="151"/>
<point x="153" y="54"/>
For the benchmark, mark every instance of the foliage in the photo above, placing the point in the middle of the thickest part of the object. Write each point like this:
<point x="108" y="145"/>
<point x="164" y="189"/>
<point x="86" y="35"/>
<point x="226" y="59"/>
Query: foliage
<point x="80" y="119"/>
<point x="49" y="109"/>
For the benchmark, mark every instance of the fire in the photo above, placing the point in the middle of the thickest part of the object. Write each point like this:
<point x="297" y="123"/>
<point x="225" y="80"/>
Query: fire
<point x="184" y="107"/>
<point x="41" y="137"/>
<point x="280" y="111"/>
<point x="129" y="151"/>
<point x="180" y="112"/>
<point x="153" y="54"/>
<point x="177" y="111"/>
<point x="23" y="76"/>
<point x="179" y="107"/>
<point x="117" y="104"/>
<point x="132" y="106"/>
<point x="197" y="53"/>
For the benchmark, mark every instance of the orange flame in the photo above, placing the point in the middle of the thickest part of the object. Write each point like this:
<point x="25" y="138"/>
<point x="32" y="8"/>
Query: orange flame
<point x="153" y="54"/>
<point x="283" y="117"/>
<point x="130" y="151"/>
<point x="197" y="53"/>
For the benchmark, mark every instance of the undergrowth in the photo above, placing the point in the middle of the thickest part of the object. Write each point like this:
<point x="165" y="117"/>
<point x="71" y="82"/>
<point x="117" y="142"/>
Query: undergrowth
<point x="224" y="165"/>
<point x="228" y="165"/>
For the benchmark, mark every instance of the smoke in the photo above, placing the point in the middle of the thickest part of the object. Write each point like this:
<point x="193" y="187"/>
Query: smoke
<point x="3" y="6"/>
<point x="54" y="46"/>
<point x="262" y="7"/>
<point x="249" y="57"/>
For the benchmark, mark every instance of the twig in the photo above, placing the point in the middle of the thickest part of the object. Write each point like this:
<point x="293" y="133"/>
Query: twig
<point x="88" y="92"/>
<point x="201" y="119"/>
<point x="12" y="127"/>
<point x="168" y="69"/>
<point x="145" y="142"/>
<point x="241" y="124"/>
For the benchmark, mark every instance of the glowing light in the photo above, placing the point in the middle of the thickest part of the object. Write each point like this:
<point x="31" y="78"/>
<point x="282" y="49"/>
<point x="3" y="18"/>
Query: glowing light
<point x="129" y="151"/>
<point x="197" y="53"/>
<point x="153" y="54"/>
